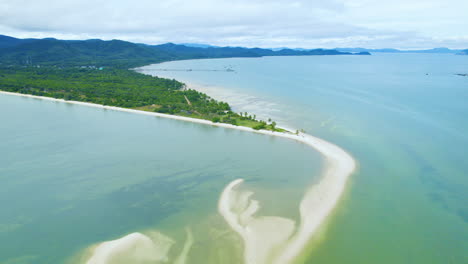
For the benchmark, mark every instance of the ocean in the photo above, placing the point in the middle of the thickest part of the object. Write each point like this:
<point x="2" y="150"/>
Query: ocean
<point x="403" y="117"/>
<point x="73" y="176"/>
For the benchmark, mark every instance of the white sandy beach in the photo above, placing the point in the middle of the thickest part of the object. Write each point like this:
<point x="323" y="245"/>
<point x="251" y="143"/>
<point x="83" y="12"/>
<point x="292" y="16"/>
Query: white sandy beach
<point x="317" y="204"/>
<point x="290" y="238"/>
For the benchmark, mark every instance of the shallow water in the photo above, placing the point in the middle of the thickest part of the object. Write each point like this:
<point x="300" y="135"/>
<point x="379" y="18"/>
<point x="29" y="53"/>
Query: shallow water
<point x="73" y="176"/>
<point x="402" y="116"/>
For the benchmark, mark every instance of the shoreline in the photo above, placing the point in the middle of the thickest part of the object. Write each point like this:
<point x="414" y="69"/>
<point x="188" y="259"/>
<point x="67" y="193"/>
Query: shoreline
<point x="317" y="204"/>
<point x="239" y="102"/>
<point x="319" y="200"/>
<point x="141" y="112"/>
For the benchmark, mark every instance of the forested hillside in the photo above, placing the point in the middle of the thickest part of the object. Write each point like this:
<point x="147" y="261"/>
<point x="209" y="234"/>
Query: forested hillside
<point x="121" y="54"/>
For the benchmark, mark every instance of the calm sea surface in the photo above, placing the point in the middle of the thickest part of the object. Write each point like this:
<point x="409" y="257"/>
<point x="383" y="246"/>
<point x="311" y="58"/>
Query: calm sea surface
<point x="73" y="176"/>
<point x="404" y="117"/>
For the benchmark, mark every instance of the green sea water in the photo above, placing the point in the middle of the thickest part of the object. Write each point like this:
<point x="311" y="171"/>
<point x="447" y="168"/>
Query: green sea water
<point x="73" y="176"/>
<point x="404" y="117"/>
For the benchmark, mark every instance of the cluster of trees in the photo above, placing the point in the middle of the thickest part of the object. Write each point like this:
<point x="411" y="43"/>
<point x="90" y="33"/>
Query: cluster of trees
<point x="123" y="88"/>
<point x="265" y="125"/>
<point x="115" y="87"/>
<point x="244" y="119"/>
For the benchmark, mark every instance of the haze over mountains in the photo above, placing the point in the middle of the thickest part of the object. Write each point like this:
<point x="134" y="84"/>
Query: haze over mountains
<point x="353" y="50"/>
<point x="124" y="54"/>
<point x="389" y="50"/>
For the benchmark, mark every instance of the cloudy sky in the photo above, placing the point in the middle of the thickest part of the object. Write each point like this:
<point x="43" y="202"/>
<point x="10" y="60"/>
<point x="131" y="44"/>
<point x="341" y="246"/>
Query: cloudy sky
<point x="406" y="24"/>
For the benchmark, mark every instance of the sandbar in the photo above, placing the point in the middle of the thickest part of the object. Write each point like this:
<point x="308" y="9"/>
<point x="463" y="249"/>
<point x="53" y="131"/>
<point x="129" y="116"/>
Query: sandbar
<point x="318" y="202"/>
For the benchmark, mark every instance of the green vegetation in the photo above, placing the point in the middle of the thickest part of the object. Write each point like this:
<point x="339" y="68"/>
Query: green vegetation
<point x="123" y="88"/>
<point x="120" y="54"/>
<point x="96" y="71"/>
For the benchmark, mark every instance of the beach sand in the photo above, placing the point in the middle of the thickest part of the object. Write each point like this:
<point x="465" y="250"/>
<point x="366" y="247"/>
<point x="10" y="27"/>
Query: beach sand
<point x="290" y="238"/>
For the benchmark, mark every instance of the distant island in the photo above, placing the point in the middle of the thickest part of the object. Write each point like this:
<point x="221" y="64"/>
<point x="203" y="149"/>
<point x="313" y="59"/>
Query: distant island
<point x="361" y="51"/>
<point x="389" y="50"/>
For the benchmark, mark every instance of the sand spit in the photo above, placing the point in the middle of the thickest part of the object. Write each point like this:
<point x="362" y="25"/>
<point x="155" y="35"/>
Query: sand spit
<point x="182" y="258"/>
<point x="260" y="246"/>
<point x="133" y="248"/>
<point x="238" y="209"/>
<point x="137" y="248"/>
<point x="182" y="118"/>
<point x="262" y="235"/>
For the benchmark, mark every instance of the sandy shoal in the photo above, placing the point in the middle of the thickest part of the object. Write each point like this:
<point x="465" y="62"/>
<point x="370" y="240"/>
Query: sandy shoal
<point x="320" y="199"/>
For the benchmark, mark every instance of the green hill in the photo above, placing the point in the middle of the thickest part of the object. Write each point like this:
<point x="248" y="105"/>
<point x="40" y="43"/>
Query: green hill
<point x="121" y="54"/>
<point x="45" y="52"/>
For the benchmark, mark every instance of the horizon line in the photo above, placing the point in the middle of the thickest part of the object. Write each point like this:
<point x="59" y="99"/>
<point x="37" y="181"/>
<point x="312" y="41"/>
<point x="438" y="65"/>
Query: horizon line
<point x="188" y="44"/>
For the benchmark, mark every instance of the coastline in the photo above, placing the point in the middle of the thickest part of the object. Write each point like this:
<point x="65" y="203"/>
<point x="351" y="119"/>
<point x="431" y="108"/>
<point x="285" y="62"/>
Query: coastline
<point x="319" y="199"/>
<point x="241" y="102"/>
<point x="317" y="204"/>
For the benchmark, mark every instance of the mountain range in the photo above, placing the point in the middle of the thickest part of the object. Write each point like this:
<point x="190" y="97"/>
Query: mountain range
<point x="124" y="54"/>
<point x="355" y="50"/>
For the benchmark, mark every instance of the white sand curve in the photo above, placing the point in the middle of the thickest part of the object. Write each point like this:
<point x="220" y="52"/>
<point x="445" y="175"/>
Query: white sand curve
<point x="133" y="248"/>
<point x="259" y="240"/>
<point x="137" y="248"/>
<point x="182" y="258"/>
<point x="317" y="204"/>
<point x="260" y="246"/>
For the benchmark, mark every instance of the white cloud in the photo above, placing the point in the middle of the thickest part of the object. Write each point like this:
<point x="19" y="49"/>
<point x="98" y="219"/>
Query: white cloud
<point x="309" y="24"/>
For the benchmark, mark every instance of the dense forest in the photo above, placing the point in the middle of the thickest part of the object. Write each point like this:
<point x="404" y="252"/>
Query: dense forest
<point x="122" y="54"/>
<point x="122" y="88"/>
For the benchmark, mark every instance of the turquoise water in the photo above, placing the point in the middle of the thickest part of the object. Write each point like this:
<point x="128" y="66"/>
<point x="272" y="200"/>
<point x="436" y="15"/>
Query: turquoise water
<point x="73" y="176"/>
<point x="404" y="117"/>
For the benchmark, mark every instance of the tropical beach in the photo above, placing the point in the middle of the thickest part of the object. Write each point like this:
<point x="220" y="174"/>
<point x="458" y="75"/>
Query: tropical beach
<point x="314" y="208"/>
<point x="356" y="112"/>
<point x="240" y="207"/>
<point x="233" y="132"/>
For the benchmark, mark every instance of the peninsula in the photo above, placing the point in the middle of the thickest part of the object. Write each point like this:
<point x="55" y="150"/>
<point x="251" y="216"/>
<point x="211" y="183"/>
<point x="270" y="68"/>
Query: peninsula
<point x="316" y="205"/>
<point x="124" y="88"/>
<point x="97" y="71"/>
<point x="31" y="68"/>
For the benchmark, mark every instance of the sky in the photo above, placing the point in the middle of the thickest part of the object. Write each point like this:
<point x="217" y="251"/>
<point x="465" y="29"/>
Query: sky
<point x="404" y="24"/>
